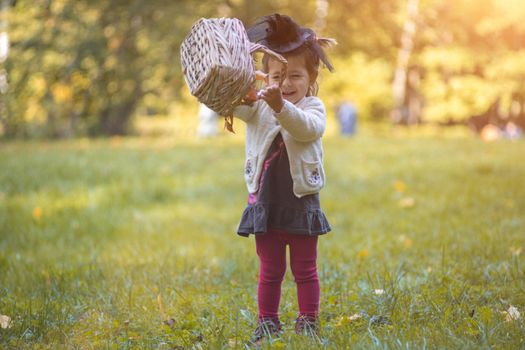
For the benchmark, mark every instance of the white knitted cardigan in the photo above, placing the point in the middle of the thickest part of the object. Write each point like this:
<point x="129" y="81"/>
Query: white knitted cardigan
<point x="302" y="126"/>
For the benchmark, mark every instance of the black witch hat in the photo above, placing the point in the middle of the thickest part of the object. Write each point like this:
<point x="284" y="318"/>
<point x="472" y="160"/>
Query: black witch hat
<point x="281" y="34"/>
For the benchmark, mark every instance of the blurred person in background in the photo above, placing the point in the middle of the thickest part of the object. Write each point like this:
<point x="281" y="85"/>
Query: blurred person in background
<point x="347" y="117"/>
<point x="207" y="122"/>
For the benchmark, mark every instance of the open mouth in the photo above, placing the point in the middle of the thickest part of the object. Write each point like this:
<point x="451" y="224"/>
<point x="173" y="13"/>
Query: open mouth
<point x="288" y="94"/>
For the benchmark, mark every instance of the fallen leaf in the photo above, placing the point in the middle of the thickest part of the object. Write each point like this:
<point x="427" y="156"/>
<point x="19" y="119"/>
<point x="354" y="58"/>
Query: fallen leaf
<point x="37" y="213"/>
<point x="345" y="320"/>
<point x="5" y="321"/>
<point x="407" y="202"/>
<point x="363" y="253"/>
<point x="516" y="251"/>
<point x="407" y="242"/>
<point x="232" y="342"/>
<point x="400" y="186"/>
<point x="512" y="314"/>
<point x="355" y="317"/>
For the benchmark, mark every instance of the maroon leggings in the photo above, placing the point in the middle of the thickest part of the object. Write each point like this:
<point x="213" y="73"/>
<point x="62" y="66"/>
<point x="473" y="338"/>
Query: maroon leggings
<point x="271" y="249"/>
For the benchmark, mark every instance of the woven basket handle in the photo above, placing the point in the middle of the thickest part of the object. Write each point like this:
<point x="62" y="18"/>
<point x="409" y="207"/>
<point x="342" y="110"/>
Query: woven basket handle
<point x="261" y="48"/>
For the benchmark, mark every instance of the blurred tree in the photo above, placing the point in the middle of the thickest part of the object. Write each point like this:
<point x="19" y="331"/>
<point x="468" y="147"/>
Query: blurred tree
<point x="406" y="105"/>
<point x="4" y="52"/>
<point x="471" y="55"/>
<point x="87" y="67"/>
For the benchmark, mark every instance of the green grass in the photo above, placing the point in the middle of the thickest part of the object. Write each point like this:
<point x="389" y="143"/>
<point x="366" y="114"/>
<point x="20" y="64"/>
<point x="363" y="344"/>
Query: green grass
<point x="127" y="223"/>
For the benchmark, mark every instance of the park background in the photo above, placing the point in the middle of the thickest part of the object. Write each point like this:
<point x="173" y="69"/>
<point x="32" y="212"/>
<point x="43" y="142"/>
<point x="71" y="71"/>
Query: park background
<point x="117" y="224"/>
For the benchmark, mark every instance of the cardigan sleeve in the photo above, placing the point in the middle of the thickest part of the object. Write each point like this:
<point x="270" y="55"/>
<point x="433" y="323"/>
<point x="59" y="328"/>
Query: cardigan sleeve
<point x="306" y="124"/>
<point x="245" y="112"/>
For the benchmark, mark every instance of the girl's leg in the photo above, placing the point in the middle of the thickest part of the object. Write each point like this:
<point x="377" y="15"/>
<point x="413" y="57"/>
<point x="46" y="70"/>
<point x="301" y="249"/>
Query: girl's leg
<point x="303" y="261"/>
<point x="271" y="249"/>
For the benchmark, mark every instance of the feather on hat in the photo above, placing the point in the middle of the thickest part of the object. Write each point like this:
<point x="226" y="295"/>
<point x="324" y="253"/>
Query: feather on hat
<point x="281" y="34"/>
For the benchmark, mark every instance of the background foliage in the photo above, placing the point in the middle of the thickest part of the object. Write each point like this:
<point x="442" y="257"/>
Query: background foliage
<point x="90" y="67"/>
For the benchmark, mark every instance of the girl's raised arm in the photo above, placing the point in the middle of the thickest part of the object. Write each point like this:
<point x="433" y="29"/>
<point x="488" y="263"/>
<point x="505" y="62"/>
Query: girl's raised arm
<point x="246" y="112"/>
<point x="306" y="124"/>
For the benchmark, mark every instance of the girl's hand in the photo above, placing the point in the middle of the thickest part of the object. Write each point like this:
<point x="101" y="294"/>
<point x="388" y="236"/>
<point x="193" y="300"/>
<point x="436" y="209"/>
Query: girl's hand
<point x="272" y="95"/>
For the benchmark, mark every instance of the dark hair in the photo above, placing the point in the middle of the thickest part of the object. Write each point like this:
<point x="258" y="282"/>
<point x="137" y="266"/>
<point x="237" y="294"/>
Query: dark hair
<point x="311" y="60"/>
<point x="281" y="34"/>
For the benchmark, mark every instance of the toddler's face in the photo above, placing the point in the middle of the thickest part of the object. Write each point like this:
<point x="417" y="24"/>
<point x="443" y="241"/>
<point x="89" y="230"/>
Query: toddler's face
<point x="297" y="80"/>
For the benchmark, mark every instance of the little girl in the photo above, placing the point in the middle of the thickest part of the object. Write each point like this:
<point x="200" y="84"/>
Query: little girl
<point x="284" y="171"/>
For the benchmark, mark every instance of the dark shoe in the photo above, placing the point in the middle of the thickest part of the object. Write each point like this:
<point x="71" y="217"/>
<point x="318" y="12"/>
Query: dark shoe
<point x="266" y="328"/>
<point x="307" y="325"/>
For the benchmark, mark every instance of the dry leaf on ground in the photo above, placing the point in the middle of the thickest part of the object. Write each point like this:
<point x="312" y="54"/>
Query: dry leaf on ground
<point x="407" y="202"/>
<point x="5" y="321"/>
<point x="512" y="314"/>
<point x="400" y="186"/>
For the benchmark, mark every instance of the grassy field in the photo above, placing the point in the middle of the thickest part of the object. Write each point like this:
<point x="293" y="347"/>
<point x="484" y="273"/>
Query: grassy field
<point x="101" y="241"/>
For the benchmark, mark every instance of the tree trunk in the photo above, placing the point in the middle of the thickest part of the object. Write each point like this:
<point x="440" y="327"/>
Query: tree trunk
<point x="414" y="97"/>
<point x="401" y="112"/>
<point x="114" y="119"/>
<point x="4" y="51"/>
<point x="321" y="11"/>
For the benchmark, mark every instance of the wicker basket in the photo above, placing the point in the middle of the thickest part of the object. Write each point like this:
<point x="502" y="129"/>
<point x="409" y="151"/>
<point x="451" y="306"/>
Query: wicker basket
<point x="217" y="62"/>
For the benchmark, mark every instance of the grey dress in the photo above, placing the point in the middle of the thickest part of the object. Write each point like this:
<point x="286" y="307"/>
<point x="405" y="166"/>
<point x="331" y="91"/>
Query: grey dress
<point x="275" y="206"/>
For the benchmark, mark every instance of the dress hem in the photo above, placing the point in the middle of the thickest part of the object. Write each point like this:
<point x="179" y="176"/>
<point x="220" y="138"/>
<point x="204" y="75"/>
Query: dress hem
<point x="258" y="218"/>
